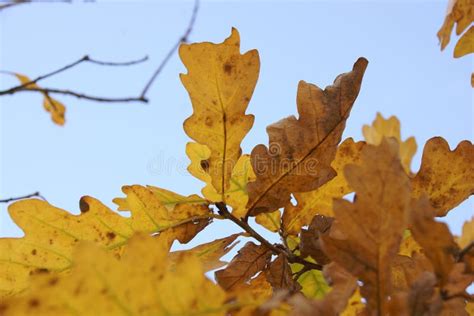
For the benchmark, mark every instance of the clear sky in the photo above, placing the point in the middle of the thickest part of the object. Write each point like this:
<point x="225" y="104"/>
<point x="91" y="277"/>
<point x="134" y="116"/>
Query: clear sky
<point x="105" y="146"/>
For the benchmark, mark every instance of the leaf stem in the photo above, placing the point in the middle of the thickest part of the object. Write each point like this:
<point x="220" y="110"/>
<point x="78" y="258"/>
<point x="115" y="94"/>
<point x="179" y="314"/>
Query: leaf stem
<point x="276" y="249"/>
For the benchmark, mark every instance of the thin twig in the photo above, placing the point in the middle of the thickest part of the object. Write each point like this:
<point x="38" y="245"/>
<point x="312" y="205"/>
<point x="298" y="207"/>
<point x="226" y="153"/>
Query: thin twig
<point x="35" y="194"/>
<point x="276" y="249"/>
<point x="85" y="96"/>
<point x="83" y="59"/>
<point x="182" y="39"/>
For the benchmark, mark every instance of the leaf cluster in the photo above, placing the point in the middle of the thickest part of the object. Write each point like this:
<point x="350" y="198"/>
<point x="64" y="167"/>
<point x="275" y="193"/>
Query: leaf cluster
<point x="379" y="251"/>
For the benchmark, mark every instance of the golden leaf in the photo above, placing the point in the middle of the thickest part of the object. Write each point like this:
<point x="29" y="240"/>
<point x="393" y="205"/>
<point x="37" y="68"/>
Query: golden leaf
<point x="446" y="176"/>
<point x="301" y="150"/>
<point x="367" y="233"/>
<point x="53" y="106"/>
<point x="390" y="127"/>
<point x="50" y="237"/>
<point x="220" y="82"/>
<point x="320" y="201"/>
<point x="236" y="193"/>
<point x="465" y="45"/>
<point x="460" y="12"/>
<point x="149" y="214"/>
<point x="141" y="283"/>
<point x="270" y="221"/>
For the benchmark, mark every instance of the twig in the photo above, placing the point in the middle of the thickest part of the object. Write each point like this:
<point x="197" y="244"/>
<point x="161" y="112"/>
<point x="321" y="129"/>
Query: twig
<point x="276" y="249"/>
<point x="173" y="49"/>
<point x="85" y="96"/>
<point x="35" y="194"/>
<point x="86" y="58"/>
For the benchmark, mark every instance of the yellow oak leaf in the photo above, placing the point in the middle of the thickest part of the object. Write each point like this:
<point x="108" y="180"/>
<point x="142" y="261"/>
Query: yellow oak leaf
<point x="50" y="236"/>
<point x="467" y="236"/>
<point x="408" y="245"/>
<point x="320" y="201"/>
<point x="465" y="45"/>
<point x="235" y="194"/>
<point x="390" y="127"/>
<point x="446" y="176"/>
<point x="148" y="213"/>
<point x="270" y="221"/>
<point x="367" y="233"/>
<point x="301" y="150"/>
<point x="142" y="282"/>
<point x="220" y="82"/>
<point x="459" y="12"/>
<point x="53" y="106"/>
<point x="355" y="305"/>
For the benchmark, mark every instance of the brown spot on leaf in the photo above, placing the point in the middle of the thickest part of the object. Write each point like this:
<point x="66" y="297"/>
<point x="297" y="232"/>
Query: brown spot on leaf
<point x="33" y="303"/>
<point x="228" y="68"/>
<point x="111" y="235"/>
<point x="53" y="281"/>
<point x="83" y="206"/>
<point x="205" y="165"/>
<point x="33" y="252"/>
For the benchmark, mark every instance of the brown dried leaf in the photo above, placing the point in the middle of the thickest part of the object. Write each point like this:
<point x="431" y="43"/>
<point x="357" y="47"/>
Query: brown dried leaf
<point x="279" y="275"/>
<point x="319" y="201"/>
<point x="301" y="150"/>
<point x="250" y="260"/>
<point x="209" y="253"/>
<point x="446" y="176"/>
<point x="434" y="237"/>
<point x="335" y="302"/>
<point x="310" y="245"/>
<point x="366" y="235"/>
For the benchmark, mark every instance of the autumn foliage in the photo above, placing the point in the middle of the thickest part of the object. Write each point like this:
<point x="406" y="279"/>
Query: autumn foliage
<point x="379" y="251"/>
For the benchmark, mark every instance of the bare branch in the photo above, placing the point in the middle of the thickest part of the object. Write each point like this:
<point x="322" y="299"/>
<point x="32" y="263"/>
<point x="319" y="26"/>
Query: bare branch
<point x="173" y="49"/>
<point x="35" y="194"/>
<point x="84" y="96"/>
<point x="26" y="86"/>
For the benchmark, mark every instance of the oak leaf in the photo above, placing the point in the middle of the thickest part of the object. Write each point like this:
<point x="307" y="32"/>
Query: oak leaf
<point x="250" y="260"/>
<point x="320" y="201"/>
<point x="271" y="221"/>
<point x="335" y="301"/>
<point x="209" y="253"/>
<point x="367" y="233"/>
<point x="151" y="210"/>
<point x="220" y="82"/>
<point x="390" y="127"/>
<point x="280" y="276"/>
<point x="141" y="283"/>
<point x="446" y="176"/>
<point x="51" y="105"/>
<point x="461" y="13"/>
<point x="235" y="194"/>
<point x="301" y="150"/>
<point x="465" y="45"/>
<point x="50" y="237"/>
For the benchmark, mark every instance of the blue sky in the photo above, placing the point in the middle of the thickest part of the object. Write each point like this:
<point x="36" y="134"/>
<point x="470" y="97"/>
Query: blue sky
<point x="105" y="146"/>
